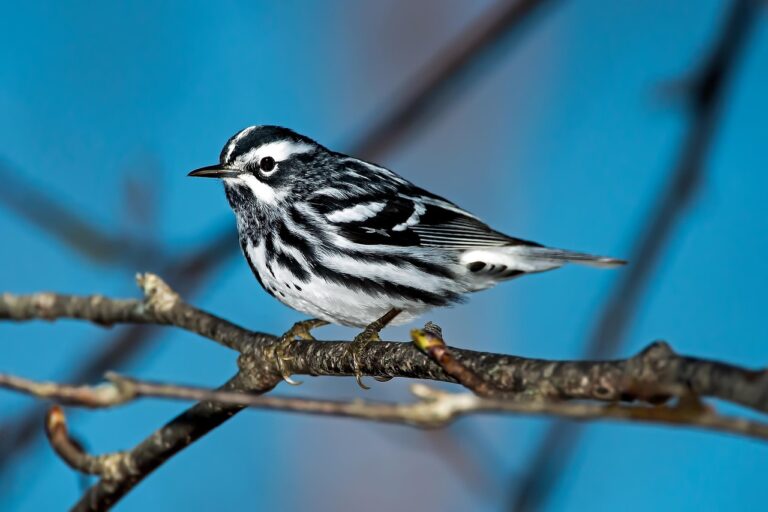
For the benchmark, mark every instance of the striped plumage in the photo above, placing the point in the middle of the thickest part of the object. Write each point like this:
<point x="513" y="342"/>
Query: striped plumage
<point x="345" y="240"/>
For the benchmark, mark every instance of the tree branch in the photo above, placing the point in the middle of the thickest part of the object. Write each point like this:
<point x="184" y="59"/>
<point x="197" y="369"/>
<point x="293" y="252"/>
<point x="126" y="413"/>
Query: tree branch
<point x="507" y="383"/>
<point x="653" y="375"/>
<point x="161" y="306"/>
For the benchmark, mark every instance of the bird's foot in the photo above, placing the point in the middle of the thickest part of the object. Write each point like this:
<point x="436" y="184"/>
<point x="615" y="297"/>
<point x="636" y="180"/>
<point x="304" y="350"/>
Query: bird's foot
<point x="301" y="330"/>
<point x="369" y="335"/>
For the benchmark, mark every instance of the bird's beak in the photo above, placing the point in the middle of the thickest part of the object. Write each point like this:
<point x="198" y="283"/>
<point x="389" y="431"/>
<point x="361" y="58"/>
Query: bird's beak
<point x="213" y="171"/>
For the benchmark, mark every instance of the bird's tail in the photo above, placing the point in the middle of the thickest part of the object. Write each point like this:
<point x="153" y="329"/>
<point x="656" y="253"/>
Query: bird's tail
<point x="557" y="257"/>
<point x="494" y="263"/>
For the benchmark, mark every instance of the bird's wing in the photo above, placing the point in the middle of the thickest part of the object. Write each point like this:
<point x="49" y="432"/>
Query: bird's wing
<point x="410" y="218"/>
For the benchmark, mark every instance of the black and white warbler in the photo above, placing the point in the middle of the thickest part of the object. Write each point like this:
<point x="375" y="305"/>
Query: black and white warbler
<point x="347" y="241"/>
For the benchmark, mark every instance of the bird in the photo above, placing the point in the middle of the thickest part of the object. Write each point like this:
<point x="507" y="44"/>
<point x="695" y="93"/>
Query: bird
<point x="349" y="242"/>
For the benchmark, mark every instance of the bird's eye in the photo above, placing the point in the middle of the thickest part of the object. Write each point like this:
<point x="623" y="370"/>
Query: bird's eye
<point x="267" y="164"/>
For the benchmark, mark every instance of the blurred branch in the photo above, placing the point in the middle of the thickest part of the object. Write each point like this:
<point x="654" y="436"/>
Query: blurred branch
<point x="427" y="92"/>
<point x="142" y="190"/>
<point x="64" y="224"/>
<point x="449" y="69"/>
<point x="511" y="384"/>
<point x="705" y="98"/>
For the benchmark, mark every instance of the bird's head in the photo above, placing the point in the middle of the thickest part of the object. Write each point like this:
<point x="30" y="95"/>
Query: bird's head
<point x="265" y="163"/>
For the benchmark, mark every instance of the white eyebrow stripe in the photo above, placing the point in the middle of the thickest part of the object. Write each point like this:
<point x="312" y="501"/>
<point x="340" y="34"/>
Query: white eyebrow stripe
<point x="356" y="213"/>
<point x="244" y="132"/>
<point x="279" y="150"/>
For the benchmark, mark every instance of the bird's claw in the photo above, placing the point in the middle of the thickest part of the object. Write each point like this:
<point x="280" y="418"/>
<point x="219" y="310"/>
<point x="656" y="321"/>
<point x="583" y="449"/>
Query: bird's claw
<point x="359" y="380"/>
<point x="288" y="380"/>
<point x="301" y="330"/>
<point x="369" y="335"/>
<point x="281" y="360"/>
<point x="359" y="343"/>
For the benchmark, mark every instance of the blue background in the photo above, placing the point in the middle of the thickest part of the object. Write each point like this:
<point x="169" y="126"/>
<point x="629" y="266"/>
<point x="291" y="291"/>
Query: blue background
<point x="564" y="139"/>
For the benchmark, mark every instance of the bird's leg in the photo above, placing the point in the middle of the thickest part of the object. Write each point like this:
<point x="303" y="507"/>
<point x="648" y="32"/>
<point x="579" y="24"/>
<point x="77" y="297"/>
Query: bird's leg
<point x="301" y="330"/>
<point x="370" y="335"/>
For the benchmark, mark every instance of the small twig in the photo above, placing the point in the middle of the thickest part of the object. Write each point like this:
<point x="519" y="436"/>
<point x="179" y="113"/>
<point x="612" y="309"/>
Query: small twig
<point x="430" y="341"/>
<point x="105" y="395"/>
<point x="433" y="409"/>
<point x="70" y="451"/>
